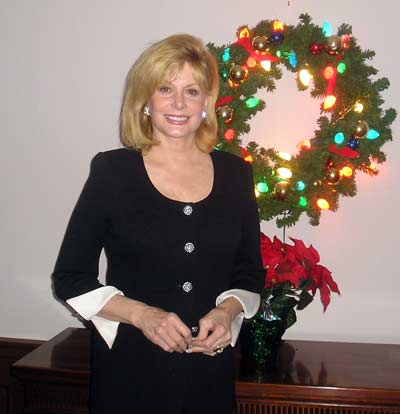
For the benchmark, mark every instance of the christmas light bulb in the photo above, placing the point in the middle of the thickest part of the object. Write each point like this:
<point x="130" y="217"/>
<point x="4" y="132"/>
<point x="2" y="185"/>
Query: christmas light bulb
<point x="341" y="68"/>
<point x="305" y="77"/>
<point x="300" y="186"/>
<point x="293" y="59"/>
<point x="346" y="171"/>
<point x="244" y="33"/>
<point x="262" y="187"/>
<point x="322" y="204"/>
<point x="326" y="29"/>
<point x="229" y="134"/>
<point x="251" y="62"/>
<point x="358" y="107"/>
<point x="302" y="201"/>
<point x="372" y="134"/>
<point x="277" y="26"/>
<point x="226" y="55"/>
<point x="329" y="101"/>
<point x="339" y="138"/>
<point x="257" y="193"/>
<point x="284" y="172"/>
<point x="372" y="164"/>
<point x="285" y="155"/>
<point x="304" y="145"/>
<point x="328" y="72"/>
<point x="252" y="102"/>
<point x="266" y="65"/>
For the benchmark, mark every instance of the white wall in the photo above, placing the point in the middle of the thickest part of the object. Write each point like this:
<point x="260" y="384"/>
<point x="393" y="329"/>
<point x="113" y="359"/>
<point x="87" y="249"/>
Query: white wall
<point x="63" y="64"/>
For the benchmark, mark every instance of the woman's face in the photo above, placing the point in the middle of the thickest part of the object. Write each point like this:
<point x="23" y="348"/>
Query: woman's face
<point x="176" y="107"/>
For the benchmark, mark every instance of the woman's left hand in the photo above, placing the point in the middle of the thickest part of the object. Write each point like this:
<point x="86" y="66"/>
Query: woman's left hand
<point x="215" y="328"/>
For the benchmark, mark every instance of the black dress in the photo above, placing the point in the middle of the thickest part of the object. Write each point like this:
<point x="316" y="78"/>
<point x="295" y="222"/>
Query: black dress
<point x="174" y="255"/>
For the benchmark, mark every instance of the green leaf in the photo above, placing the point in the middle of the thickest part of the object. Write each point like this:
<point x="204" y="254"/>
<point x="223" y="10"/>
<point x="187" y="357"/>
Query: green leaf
<point x="305" y="300"/>
<point x="291" y="318"/>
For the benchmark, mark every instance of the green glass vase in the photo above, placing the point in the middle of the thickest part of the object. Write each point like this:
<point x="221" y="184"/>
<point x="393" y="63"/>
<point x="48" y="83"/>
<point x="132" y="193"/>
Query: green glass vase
<point x="259" y="344"/>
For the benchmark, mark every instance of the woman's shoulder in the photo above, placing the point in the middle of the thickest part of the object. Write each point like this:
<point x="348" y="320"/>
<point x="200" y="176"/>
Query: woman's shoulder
<point x="120" y="155"/>
<point x="230" y="163"/>
<point x="118" y="158"/>
<point x="117" y="163"/>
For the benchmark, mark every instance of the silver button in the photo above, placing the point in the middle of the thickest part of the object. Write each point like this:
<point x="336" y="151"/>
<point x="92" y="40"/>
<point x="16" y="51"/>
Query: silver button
<point x="189" y="247"/>
<point x="187" y="287"/>
<point x="188" y="210"/>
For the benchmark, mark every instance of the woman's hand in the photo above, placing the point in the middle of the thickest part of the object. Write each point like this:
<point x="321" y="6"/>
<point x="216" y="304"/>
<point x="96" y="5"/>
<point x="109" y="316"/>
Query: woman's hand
<point x="215" y="327"/>
<point x="164" y="329"/>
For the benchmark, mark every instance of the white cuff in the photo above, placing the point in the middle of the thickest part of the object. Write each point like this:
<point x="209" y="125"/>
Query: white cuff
<point x="250" y="302"/>
<point x="90" y="303"/>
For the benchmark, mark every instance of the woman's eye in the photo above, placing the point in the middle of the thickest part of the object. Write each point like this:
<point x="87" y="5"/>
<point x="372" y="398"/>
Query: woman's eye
<point x="165" y="89"/>
<point x="193" y="92"/>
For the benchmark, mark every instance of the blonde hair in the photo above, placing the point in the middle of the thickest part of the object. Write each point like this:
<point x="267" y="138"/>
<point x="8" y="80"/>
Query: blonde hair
<point x="160" y="63"/>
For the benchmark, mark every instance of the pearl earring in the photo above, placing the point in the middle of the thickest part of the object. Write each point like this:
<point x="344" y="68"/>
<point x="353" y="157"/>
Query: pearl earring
<point x="146" y="110"/>
<point x="203" y="114"/>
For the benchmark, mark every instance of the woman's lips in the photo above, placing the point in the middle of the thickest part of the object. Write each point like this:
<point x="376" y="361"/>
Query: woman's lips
<point x="177" y="119"/>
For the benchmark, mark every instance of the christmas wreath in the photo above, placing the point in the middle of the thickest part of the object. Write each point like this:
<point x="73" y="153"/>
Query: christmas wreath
<point x="351" y="129"/>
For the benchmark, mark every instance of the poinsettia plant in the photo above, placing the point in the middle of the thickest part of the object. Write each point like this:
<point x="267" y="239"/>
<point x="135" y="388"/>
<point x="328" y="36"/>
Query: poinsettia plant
<point x="293" y="277"/>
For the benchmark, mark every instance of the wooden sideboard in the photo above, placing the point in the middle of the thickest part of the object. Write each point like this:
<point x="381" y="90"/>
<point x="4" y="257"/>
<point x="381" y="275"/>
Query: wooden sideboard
<point x="310" y="378"/>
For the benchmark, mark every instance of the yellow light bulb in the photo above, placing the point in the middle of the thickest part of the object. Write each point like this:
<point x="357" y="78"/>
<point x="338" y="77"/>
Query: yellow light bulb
<point x="257" y="193"/>
<point x="277" y="25"/>
<point x="346" y="172"/>
<point x="358" y="107"/>
<point x="305" y="77"/>
<point x="329" y="101"/>
<point x="322" y="204"/>
<point x="284" y="172"/>
<point x="285" y="155"/>
<point x="266" y="65"/>
<point x="244" y="33"/>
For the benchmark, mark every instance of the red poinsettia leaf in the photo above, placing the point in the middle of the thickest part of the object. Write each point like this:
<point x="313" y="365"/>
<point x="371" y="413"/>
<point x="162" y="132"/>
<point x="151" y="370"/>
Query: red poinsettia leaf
<point x="312" y="255"/>
<point x="277" y="243"/>
<point x="327" y="276"/>
<point x="305" y="253"/>
<point x="299" y="248"/>
<point x="325" y="295"/>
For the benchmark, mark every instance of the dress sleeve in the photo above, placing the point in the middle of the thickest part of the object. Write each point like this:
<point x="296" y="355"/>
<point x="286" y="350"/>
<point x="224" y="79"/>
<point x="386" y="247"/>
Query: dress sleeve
<point x="250" y="302"/>
<point x="248" y="273"/>
<point x="75" y="276"/>
<point x="77" y="266"/>
<point x="90" y="303"/>
<point x="248" y="276"/>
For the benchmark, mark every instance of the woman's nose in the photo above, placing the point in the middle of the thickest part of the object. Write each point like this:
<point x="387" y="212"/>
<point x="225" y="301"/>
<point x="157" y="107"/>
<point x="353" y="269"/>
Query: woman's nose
<point x="179" y="100"/>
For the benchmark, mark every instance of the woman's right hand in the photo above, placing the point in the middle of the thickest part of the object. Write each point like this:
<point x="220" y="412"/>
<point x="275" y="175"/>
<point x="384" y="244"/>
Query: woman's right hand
<point x="164" y="329"/>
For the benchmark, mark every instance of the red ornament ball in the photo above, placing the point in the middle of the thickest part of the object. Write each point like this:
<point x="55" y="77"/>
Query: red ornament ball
<point x="316" y="48"/>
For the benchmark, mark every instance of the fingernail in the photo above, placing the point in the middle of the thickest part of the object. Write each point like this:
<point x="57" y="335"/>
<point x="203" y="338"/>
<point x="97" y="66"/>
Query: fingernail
<point x="189" y="349"/>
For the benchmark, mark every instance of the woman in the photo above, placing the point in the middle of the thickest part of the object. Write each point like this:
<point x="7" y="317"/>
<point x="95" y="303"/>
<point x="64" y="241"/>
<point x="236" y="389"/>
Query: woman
<point x="178" y="222"/>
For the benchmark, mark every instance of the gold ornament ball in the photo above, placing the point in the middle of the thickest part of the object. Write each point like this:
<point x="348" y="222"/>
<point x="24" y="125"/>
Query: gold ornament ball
<point x="281" y="190"/>
<point x="333" y="176"/>
<point x="361" y="129"/>
<point x="260" y="44"/>
<point x="237" y="73"/>
<point x="333" y="44"/>
<point x="225" y="112"/>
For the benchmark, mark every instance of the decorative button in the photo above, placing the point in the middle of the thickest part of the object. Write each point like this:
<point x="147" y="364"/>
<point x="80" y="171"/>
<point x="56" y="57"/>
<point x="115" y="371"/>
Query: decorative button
<point x="189" y="247"/>
<point x="187" y="287"/>
<point x="188" y="210"/>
